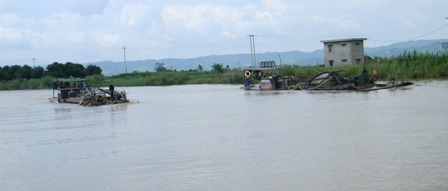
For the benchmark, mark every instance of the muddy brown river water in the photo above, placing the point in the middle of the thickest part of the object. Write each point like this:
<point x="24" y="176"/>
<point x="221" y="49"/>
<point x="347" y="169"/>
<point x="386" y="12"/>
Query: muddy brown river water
<point x="218" y="137"/>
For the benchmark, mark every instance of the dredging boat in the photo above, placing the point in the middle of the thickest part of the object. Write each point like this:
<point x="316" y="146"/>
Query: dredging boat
<point x="75" y="91"/>
<point x="264" y="74"/>
<point x="327" y="80"/>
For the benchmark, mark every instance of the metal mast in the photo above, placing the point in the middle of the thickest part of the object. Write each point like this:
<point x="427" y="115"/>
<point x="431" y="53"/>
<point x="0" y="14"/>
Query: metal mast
<point x="252" y="50"/>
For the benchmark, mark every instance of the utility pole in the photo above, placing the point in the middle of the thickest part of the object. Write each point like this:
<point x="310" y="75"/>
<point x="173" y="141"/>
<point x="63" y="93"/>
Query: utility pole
<point x="34" y="62"/>
<point x="445" y="44"/>
<point x="279" y="57"/>
<point x="125" y="67"/>
<point x="252" y="50"/>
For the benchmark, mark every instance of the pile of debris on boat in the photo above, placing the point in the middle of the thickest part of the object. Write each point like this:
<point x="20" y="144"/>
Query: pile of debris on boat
<point x="328" y="80"/>
<point x="75" y="91"/>
<point x="100" y="96"/>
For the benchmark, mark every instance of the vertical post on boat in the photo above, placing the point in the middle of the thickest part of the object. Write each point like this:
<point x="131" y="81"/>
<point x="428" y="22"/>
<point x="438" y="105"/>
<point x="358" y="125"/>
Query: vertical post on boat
<point x="54" y="81"/>
<point x="252" y="50"/>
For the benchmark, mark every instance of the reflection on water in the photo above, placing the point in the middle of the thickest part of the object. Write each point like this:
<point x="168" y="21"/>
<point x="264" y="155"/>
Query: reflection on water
<point x="218" y="137"/>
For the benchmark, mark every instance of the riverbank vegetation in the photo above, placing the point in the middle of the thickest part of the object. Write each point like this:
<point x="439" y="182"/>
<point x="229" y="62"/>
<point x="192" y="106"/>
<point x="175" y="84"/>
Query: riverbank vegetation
<point x="409" y="66"/>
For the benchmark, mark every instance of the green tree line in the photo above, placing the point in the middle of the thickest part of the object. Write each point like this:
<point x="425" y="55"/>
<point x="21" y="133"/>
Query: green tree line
<point x="55" y="70"/>
<point x="21" y="72"/>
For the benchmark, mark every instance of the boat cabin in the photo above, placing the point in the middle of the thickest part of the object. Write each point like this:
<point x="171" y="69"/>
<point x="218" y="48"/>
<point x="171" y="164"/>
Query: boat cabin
<point x="69" y="90"/>
<point x="264" y="74"/>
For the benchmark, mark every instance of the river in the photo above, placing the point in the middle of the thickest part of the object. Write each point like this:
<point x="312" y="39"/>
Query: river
<point x="219" y="137"/>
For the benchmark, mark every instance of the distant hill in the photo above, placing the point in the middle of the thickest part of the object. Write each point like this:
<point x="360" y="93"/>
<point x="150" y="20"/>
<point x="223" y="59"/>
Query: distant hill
<point x="232" y="60"/>
<point x="243" y="60"/>
<point x="431" y="46"/>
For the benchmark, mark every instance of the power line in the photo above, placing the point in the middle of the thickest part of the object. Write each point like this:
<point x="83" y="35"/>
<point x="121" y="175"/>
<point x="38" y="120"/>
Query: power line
<point x="426" y="34"/>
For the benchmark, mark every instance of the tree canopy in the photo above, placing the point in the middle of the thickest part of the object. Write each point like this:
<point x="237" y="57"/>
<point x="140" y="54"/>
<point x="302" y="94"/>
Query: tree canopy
<point x="158" y="67"/>
<point x="56" y="70"/>
<point x="93" y="70"/>
<point x="59" y="70"/>
<point x="200" y="68"/>
<point x="21" y="72"/>
<point x="218" y="68"/>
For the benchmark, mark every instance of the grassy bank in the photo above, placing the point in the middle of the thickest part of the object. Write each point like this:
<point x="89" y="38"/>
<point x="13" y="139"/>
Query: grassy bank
<point x="22" y="84"/>
<point x="168" y="78"/>
<point x="136" y="79"/>
<point x="409" y="66"/>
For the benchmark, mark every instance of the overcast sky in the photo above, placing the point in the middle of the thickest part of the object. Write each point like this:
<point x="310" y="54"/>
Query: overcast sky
<point x="84" y="31"/>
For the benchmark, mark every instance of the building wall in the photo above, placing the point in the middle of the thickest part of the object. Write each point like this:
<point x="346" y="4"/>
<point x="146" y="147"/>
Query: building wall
<point x="343" y="52"/>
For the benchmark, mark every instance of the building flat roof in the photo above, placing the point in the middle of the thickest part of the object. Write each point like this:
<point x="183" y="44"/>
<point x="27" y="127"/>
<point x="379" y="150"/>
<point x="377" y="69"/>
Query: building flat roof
<point x="343" y="40"/>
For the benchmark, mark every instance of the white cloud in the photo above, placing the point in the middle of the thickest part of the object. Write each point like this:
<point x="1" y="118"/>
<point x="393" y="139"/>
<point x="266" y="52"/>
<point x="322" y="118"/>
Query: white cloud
<point x="62" y="21"/>
<point x="200" y="17"/>
<point x="89" y="7"/>
<point x="8" y="4"/>
<point x="278" y="6"/>
<point x="11" y="19"/>
<point x="134" y="14"/>
<point x="110" y="40"/>
<point x="343" y="24"/>
<point x="76" y="37"/>
<point x="160" y="29"/>
<point x="9" y="35"/>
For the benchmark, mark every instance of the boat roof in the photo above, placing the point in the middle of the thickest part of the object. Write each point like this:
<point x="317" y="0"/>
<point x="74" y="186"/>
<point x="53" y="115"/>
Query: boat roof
<point x="261" y="69"/>
<point x="70" y="80"/>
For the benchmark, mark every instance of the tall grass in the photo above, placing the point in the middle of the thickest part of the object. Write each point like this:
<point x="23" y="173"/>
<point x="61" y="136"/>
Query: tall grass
<point x="417" y="65"/>
<point x="413" y="65"/>
<point x="409" y="65"/>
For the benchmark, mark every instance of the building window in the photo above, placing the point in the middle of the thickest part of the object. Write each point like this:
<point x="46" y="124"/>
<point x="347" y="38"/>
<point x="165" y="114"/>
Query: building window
<point x="330" y="63"/>
<point x="343" y="44"/>
<point x="357" y="43"/>
<point x="330" y="47"/>
<point x="344" y="60"/>
<point x="358" y="61"/>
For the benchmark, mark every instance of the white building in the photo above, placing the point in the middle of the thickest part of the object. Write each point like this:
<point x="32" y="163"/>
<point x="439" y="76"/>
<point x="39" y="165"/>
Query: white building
<point x="343" y="51"/>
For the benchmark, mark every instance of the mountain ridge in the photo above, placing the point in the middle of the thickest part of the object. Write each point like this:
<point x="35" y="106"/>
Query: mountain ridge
<point x="242" y="60"/>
